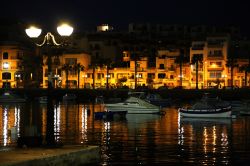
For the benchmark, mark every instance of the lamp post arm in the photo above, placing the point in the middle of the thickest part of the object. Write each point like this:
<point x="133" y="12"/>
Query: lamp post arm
<point x="49" y="36"/>
<point x="53" y="39"/>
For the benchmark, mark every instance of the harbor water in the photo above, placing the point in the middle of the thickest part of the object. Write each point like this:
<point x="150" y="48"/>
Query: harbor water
<point x="136" y="140"/>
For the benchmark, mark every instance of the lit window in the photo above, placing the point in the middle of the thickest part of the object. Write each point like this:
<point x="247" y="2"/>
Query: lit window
<point x="6" y="65"/>
<point x="215" y="74"/>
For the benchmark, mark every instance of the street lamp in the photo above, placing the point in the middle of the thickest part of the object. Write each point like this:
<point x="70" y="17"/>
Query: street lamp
<point x="224" y="76"/>
<point x="18" y="77"/>
<point x="56" y="77"/>
<point x="48" y="41"/>
<point x="84" y="78"/>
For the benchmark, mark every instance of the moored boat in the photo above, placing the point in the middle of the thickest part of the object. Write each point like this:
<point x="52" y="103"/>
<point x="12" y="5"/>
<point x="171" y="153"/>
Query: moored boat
<point x="69" y="96"/>
<point x="42" y="99"/>
<point x="9" y="97"/>
<point x="134" y="105"/>
<point x="208" y="107"/>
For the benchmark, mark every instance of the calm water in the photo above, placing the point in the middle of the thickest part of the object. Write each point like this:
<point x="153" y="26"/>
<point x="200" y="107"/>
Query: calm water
<point x="138" y="140"/>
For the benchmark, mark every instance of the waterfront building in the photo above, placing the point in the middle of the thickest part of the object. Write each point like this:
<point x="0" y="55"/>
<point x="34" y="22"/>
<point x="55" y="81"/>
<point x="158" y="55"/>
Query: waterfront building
<point x="11" y="66"/>
<point x="213" y="71"/>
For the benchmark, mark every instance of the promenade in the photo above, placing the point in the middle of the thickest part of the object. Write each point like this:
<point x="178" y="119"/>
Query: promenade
<point x="65" y="155"/>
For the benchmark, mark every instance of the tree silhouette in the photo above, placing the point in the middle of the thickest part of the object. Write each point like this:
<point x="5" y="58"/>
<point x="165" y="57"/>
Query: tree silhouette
<point x="78" y="68"/>
<point x="66" y="67"/>
<point x="231" y="59"/>
<point x="197" y="59"/>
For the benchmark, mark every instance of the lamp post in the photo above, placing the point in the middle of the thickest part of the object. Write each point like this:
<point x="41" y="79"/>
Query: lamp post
<point x="224" y="76"/>
<point x="84" y="79"/>
<point x="56" y="77"/>
<point x="18" y="77"/>
<point x="49" y="41"/>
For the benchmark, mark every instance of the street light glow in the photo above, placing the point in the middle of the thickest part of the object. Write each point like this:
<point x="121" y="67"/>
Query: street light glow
<point x="33" y="32"/>
<point x="65" y="30"/>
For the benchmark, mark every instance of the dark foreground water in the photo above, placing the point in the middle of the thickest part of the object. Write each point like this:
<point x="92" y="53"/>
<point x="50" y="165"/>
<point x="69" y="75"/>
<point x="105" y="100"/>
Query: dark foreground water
<point x="138" y="140"/>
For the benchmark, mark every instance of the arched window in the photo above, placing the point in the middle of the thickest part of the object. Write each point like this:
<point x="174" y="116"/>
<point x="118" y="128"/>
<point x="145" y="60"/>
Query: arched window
<point x="6" y="76"/>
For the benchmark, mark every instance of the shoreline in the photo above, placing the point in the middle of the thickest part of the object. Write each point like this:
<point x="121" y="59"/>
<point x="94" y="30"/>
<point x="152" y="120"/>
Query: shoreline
<point x="89" y="95"/>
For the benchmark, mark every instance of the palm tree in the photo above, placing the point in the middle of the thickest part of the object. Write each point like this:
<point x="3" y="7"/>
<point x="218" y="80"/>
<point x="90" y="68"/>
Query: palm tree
<point x="66" y="67"/>
<point x="93" y="65"/>
<point x="136" y="57"/>
<point x="78" y="68"/>
<point x="181" y="60"/>
<point x="108" y="63"/>
<point x="231" y="60"/>
<point x="196" y="59"/>
<point x="246" y="69"/>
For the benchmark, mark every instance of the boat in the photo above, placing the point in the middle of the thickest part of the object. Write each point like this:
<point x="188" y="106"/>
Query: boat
<point x="244" y="109"/>
<point x="156" y="99"/>
<point x="10" y="97"/>
<point x="134" y="105"/>
<point x="208" y="107"/>
<point x="69" y="96"/>
<point x="42" y="100"/>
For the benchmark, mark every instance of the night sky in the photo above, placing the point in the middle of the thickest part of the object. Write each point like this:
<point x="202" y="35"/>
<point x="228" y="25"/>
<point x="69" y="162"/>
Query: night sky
<point x="88" y="14"/>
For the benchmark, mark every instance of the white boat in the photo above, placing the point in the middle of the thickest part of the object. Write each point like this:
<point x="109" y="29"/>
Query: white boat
<point x="42" y="99"/>
<point x="69" y="96"/>
<point x="9" y="97"/>
<point x="208" y="108"/>
<point x="134" y="105"/>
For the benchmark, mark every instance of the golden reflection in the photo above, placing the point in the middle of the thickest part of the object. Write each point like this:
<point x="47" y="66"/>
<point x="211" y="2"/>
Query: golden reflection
<point x="44" y="118"/>
<point x="214" y="139"/>
<point x="57" y="121"/>
<point x="84" y="123"/>
<point x="180" y="131"/>
<point x="5" y="126"/>
<point x="17" y="121"/>
<point x="9" y="124"/>
<point x="205" y="139"/>
<point x="211" y="138"/>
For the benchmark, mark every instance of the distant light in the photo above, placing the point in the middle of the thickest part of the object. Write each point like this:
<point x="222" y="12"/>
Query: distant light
<point x="104" y="27"/>
<point x="65" y="30"/>
<point x="33" y="32"/>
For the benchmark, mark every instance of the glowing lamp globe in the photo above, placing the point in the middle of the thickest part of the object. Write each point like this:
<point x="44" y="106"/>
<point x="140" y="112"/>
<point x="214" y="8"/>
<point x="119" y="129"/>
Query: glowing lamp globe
<point x="65" y="30"/>
<point x="33" y="32"/>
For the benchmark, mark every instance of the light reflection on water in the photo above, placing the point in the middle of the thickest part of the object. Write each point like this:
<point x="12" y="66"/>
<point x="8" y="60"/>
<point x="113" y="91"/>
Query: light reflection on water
<point x="138" y="140"/>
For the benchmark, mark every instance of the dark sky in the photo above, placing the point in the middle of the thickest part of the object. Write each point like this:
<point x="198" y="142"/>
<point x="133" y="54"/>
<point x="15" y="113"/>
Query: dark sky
<point x="89" y="13"/>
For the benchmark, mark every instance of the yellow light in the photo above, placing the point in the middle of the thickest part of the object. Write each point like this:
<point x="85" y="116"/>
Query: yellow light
<point x="213" y="65"/>
<point x="65" y="30"/>
<point x="33" y="32"/>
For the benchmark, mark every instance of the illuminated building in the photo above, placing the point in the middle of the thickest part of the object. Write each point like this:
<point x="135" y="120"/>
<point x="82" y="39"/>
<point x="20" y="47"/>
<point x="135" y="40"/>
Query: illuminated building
<point x="59" y="75"/>
<point x="11" y="64"/>
<point x="212" y="71"/>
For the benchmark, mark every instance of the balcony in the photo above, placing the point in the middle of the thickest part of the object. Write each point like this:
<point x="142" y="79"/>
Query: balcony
<point x="215" y="68"/>
<point x="215" y="57"/>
